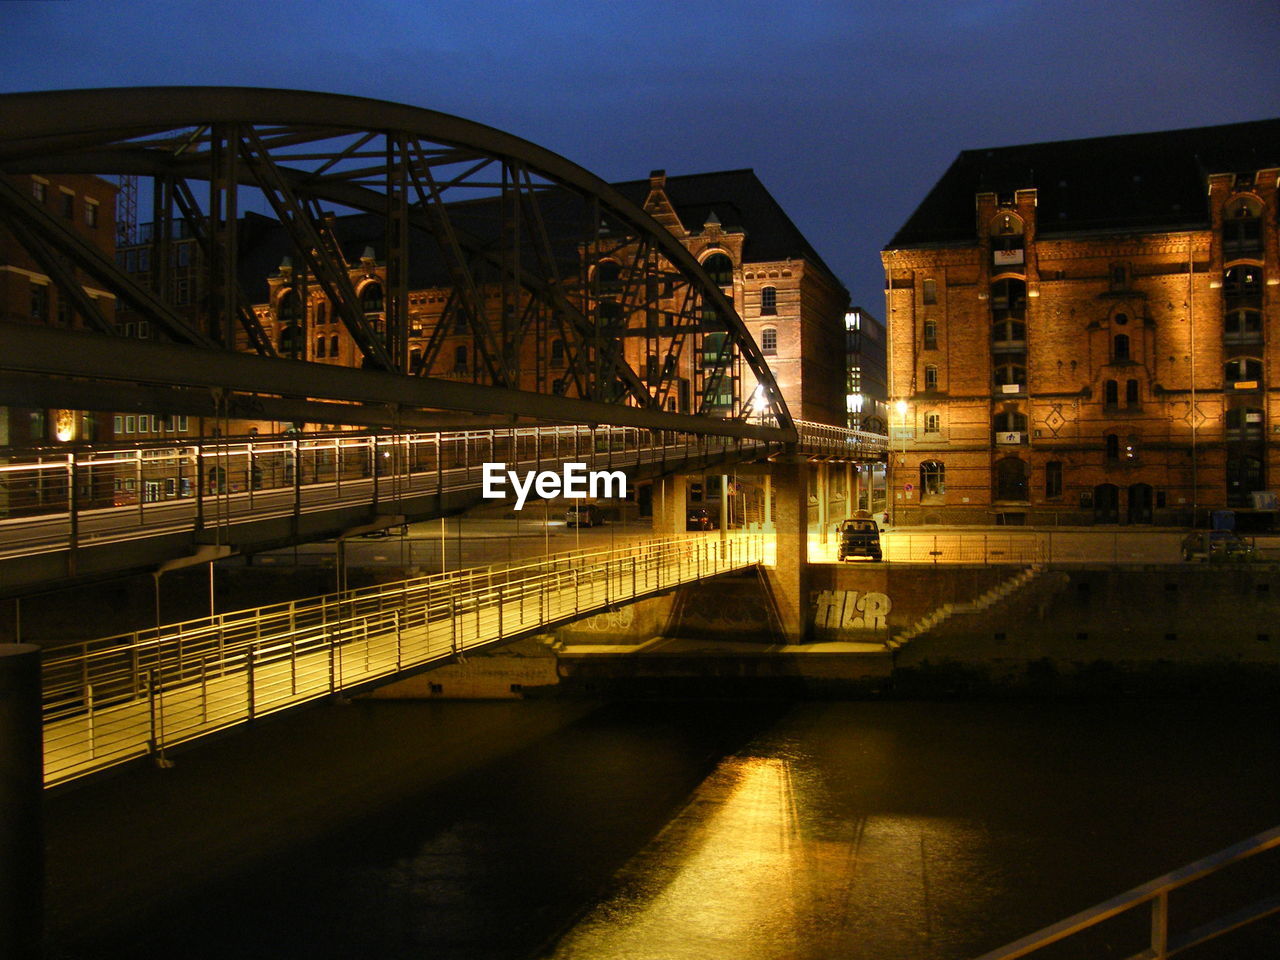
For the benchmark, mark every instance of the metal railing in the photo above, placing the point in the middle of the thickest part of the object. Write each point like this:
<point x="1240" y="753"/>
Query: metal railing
<point x="1156" y="894"/>
<point x="110" y="700"/>
<point x="57" y="498"/>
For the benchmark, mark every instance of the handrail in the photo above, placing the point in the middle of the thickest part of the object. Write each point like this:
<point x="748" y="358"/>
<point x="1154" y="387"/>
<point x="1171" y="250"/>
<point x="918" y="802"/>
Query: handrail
<point x="1156" y="892"/>
<point x="135" y="694"/>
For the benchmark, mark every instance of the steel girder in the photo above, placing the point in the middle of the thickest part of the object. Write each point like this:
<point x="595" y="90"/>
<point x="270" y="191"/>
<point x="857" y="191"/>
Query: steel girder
<point x="513" y="232"/>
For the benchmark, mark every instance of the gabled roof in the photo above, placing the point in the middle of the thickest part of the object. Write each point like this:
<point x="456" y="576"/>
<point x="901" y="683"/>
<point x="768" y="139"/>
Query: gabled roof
<point x="741" y="202"/>
<point x="737" y="199"/>
<point x="1140" y="181"/>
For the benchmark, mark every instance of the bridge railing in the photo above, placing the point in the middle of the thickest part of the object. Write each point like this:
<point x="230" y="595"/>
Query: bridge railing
<point x="54" y="499"/>
<point x="1155" y="895"/>
<point x="114" y="699"/>
<point x="823" y="439"/>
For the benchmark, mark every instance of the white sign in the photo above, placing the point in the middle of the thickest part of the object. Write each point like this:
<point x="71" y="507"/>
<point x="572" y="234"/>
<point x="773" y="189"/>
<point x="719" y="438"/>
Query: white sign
<point x="575" y="483"/>
<point x="1005" y="258"/>
<point x="1012" y="436"/>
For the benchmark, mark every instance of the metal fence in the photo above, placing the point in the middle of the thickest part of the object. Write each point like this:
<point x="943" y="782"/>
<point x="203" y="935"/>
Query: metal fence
<point x="109" y="700"/>
<point x="1155" y="895"/>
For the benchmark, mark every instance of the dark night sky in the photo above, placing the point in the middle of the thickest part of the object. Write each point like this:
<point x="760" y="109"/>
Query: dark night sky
<point x="848" y="111"/>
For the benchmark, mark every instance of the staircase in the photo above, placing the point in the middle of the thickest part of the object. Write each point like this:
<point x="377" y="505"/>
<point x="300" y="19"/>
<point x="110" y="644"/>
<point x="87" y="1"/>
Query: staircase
<point x="943" y="613"/>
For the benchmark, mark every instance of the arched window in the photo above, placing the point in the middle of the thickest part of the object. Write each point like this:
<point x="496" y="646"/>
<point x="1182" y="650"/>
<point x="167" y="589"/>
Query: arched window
<point x="1120" y="347"/>
<point x="1009" y="421"/>
<point x="288" y="307"/>
<point x="321" y="343"/>
<point x="460" y="359"/>
<point x="1242" y="287"/>
<point x="1243" y="373"/>
<point x="1131" y="393"/>
<point x="1242" y="228"/>
<point x="1011" y="375"/>
<point x="769" y="341"/>
<point x="1011" y="479"/>
<point x="1008" y="299"/>
<point x="1111" y="393"/>
<point x="415" y="359"/>
<point x="333" y="345"/>
<point x="933" y="478"/>
<point x="1006" y="241"/>
<point x="933" y="423"/>
<point x="608" y="277"/>
<point x="768" y="301"/>
<point x="719" y="268"/>
<point x="371" y="297"/>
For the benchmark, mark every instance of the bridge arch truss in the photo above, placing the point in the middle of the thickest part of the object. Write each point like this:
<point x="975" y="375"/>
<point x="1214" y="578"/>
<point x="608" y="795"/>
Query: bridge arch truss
<point x="371" y="203"/>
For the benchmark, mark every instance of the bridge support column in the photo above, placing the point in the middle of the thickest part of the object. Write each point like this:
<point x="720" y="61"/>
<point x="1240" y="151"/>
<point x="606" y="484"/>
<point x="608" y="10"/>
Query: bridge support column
<point x="768" y="501"/>
<point x="21" y="787"/>
<point x="789" y="577"/>
<point x="824" y="501"/>
<point x="669" y="506"/>
<point x="851" y="477"/>
<point x="724" y="506"/>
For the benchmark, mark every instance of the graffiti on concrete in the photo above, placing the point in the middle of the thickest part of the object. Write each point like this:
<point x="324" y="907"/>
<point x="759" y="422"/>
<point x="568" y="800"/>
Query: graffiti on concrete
<point x="851" y="610"/>
<point x="611" y="621"/>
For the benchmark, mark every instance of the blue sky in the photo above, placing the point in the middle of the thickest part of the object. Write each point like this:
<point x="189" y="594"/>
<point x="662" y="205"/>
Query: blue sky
<point x="848" y="111"/>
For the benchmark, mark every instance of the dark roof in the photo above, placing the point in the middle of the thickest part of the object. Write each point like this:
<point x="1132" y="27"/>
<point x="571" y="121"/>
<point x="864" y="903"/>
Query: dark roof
<point x="1140" y="181"/>
<point x="740" y="202"/>
<point x="737" y="198"/>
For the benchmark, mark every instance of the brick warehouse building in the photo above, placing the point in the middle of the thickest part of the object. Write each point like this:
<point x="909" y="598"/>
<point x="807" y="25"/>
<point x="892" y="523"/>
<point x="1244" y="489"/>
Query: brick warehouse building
<point x="1087" y="331"/>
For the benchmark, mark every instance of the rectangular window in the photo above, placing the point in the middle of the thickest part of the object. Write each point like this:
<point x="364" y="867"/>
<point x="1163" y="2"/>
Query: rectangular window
<point x="39" y="302"/>
<point x="182" y="423"/>
<point x="118" y="424"/>
<point x="39" y="425"/>
<point x="130" y="424"/>
<point x="931" y="335"/>
<point x="181" y="290"/>
<point x="39" y="191"/>
<point x="933" y="423"/>
<point x="931" y="291"/>
<point x="64" y="310"/>
<point x="769" y="341"/>
<point x="91" y="213"/>
<point x="1053" y="479"/>
<point x="931" y="378"/>
<point x="68" y="205"/>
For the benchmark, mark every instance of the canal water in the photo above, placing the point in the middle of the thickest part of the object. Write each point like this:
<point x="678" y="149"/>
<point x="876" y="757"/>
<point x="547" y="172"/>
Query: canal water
<point x="659" y="830"/>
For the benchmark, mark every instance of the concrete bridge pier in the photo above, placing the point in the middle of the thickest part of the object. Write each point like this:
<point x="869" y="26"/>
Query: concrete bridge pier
<point x="789" y="577"/>
<point x="21" y="796"/>
<point x="669" y="506"/>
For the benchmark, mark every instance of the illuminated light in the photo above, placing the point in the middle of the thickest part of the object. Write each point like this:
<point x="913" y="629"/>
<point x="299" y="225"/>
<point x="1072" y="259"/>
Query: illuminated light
<point x="901" y="407"/>
<point x="65" y="426"/>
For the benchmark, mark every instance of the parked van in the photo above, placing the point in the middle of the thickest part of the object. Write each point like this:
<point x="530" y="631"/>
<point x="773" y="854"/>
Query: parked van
<point x="583" y="515"/>
<point x="859" y="537"/>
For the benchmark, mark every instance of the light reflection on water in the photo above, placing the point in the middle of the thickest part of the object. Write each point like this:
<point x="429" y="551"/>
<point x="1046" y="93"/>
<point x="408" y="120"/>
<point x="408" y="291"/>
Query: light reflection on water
<point x="753" y="869"/>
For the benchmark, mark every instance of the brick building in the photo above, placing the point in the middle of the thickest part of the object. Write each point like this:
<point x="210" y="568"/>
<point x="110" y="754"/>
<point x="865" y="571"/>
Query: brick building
<point x="788" y="298"/>
<point x="1082" y="331"/>
<point x="28" y="295"/>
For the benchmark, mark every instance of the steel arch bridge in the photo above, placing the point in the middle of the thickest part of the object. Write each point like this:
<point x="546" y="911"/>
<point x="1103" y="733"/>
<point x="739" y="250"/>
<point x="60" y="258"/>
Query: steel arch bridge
<point x="575" y="305"/>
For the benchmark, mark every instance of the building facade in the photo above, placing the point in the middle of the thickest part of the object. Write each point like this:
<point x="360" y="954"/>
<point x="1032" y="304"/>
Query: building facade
<point x="1086" y="332"/>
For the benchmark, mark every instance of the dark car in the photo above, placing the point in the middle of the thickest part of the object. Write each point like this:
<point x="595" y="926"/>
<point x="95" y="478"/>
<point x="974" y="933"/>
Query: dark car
<point x="698" y="520"/>
<point x="1218" y="546"/>
<point x="859" y="538"/>
<point x="583" y="515"/>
